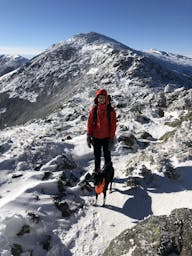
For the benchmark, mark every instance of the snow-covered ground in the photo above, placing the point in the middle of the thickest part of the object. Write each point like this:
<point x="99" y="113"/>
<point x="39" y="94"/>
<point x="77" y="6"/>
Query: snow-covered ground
<point x="125" y="207"/>
<point x="89" y="230"/>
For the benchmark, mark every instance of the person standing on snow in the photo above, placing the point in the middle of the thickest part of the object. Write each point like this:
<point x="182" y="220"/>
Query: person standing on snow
<point x="101" y="127"/>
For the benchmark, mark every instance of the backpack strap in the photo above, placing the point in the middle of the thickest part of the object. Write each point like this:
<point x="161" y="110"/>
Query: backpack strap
<point x="109" y="109"/>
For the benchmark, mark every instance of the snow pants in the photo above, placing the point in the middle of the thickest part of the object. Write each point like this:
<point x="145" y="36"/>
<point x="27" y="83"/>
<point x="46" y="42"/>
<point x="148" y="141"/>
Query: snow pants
<point x="100" y="145"/>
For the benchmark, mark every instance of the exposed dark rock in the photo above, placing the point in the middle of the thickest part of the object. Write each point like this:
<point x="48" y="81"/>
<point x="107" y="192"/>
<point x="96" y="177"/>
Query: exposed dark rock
<point x="144" y="171"/>
<point x="61" y="186"/>
<point x="24" y="230"/>
<point x="146" y="135"/>
<point x="65" y="163"/>
<point x="63" y="176"/>
<point x="128" y="139"/>
<point x="142" y="119"/>
<point x="46" y="175"/>
<point x="143" y="179"/>
<point x="38" y="167"/>
<point x="73" y="177"/>
<point x="17" y="175"/>
<point x="122" y="105"/>
<point x="123" y="128"/>
<point x="168" y="169"/>
<point x="69" y="183"/>
<point x="35" y="217"/>
<point x="63" y="207"/>
<point x="160" y="112"/>
<point x="68" y="137"/>
<point x="168" y="135"/>
<point x="16" y="249"/>
<point x="46" y="243"/>
<point x="161" y="100"/>
<point x="143" y="144"/>
<point x="156" y="236"/>
<point x="134" y="181"/>
<point x="4" y="147"/>
<point x="129" y="170"/>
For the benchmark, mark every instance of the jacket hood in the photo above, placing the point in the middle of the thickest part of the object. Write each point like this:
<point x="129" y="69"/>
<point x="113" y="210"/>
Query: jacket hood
<point x="103" y="92"/>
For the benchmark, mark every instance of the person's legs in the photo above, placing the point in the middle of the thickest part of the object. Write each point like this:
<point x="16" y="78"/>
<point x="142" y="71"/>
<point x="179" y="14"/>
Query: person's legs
<point x="106" y="151"/>
<point x="97" y="153"/>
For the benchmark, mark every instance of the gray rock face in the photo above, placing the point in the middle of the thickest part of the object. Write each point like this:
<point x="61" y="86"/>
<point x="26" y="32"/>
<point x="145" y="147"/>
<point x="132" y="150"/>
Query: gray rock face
<point x="156" y="236"/>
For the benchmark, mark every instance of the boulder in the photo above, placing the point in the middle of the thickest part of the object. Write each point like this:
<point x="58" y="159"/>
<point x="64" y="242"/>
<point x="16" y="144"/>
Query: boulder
<point x="156" y="236"/>
<point x="128" y="139"/>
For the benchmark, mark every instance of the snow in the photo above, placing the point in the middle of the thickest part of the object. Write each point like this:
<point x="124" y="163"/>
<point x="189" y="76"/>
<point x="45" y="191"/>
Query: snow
<point x="28" y="152"/>
<point x="2" y="110"/>
<point x="171" y="57"/>
<point x="92" y="71"/>
<point x="157" y="129"/>
<point x="175" y="62"/>
<point x="89" y="231"/>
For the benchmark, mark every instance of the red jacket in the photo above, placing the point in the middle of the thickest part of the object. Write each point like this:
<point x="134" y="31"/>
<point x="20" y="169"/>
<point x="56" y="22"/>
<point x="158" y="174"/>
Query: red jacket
<point x="102" y="129"/>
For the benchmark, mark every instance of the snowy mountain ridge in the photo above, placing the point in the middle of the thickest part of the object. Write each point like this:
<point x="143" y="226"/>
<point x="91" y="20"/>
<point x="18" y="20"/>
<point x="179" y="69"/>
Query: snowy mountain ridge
<point x="46" y="207"/>
<point x="176" y="57"/>
<point x="83" y="61"/>
<point x="9" y="63"/>
<point x="172" y="61"/>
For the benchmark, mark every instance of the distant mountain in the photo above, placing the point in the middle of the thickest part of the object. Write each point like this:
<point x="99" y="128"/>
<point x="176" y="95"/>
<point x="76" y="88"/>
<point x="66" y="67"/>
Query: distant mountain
<point x="67" y="68"/>
<point x="174" y="62"/>
<point x="10" y="62"/>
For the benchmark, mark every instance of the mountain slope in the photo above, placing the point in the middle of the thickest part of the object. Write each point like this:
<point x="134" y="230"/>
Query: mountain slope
<point x="48" y="80"/>
<point x="174" y="62"/>
<point x="9" y="63"/>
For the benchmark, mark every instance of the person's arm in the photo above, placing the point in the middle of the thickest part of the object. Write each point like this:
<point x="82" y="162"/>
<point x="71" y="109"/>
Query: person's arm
<point x="90" y="129"/>
<point x="90" y="123"/>
<point x="113" y="124"/>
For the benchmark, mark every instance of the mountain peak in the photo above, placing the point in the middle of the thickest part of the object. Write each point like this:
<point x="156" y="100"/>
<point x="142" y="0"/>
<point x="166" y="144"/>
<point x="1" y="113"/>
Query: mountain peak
<point x="90" y="38"/>
<point x="94" y="37"/>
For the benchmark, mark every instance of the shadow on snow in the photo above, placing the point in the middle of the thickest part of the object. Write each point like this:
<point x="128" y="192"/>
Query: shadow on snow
<point x="139" y="205"/>
<point x="136" y="207"/>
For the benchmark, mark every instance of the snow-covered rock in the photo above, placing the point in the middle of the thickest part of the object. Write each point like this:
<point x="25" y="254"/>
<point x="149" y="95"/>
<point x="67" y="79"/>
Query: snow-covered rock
<point x="9" y="63"/>
<point x="163" y="235"/>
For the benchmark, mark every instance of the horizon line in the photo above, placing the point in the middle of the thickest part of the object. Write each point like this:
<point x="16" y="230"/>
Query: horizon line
<point x="30" y="52"/>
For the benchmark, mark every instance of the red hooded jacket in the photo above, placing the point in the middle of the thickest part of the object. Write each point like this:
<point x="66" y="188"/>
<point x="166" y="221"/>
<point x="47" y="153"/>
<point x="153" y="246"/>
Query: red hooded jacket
<point x="102" y="129"/>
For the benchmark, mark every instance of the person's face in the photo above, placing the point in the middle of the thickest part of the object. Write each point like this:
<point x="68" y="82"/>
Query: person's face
<point x="101" y="99"/>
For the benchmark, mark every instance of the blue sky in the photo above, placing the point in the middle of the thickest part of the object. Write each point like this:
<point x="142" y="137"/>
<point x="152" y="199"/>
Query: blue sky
<point x="28" y="27"/>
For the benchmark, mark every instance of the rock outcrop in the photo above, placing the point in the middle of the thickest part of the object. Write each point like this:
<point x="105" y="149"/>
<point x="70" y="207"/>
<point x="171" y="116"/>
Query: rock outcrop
<point x="156" y="236"/>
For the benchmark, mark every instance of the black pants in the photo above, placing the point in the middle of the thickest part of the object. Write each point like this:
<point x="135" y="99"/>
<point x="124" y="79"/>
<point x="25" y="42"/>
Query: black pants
<point x="98" y="145"/>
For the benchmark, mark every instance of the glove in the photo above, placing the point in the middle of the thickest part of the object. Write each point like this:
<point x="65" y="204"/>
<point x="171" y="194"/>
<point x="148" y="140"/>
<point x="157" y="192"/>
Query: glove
<point x="110" y="145"/>
<point x="89" y="140"/>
